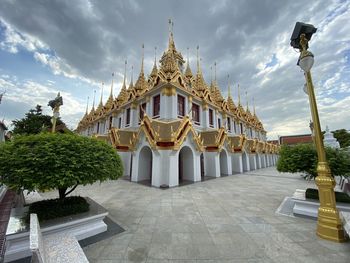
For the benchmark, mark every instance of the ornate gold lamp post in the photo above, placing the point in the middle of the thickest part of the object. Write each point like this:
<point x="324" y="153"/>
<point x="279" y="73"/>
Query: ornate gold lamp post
<point x="329" y="225"/>
<point x="55" y="105"/>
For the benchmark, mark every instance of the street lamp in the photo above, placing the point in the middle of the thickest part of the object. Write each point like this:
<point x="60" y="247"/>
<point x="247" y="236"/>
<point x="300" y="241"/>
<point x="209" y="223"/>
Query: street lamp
<point x="329" y="225"/>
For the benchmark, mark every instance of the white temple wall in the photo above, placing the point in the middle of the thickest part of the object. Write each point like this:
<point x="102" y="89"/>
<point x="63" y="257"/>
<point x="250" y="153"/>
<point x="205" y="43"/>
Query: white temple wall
<point x="237" y="163"/>
<point x="126" y="160"/>
<point x="252" y="161"/>
<point x="225" y="163"/>
<point x="258" y="161"/>
<point x="212" y="164"/>
<point x="246" y="162"/>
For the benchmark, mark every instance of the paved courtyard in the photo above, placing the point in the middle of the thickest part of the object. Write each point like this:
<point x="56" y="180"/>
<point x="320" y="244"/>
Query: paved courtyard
<point x="229" y="219"/>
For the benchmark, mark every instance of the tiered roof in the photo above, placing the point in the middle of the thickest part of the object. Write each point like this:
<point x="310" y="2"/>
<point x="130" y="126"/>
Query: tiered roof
<point x="170" y="71"/>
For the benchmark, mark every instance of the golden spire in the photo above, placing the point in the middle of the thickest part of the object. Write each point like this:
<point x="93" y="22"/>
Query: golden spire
<point x="124" y="80"/>
<point x="101" y="104"/>
<point x="143" y="56"/>
<point x="155" y="69"/>
<point x="171" y="44"/>
<point x="93" y="103"/>
<point x="198" y="66"/>
<point x="211" y="76"/>
<point x="246" y="98"/>
<point x="131" y="85"/>
<point x="254" y="106"/>
<point x="215" y="72"/>
<point x="111" y="92"/>
<point x="239" y="96"/>
<point x="87" y="106"/>
<point x="228" y="84"/>
<point x="188" y="72"/>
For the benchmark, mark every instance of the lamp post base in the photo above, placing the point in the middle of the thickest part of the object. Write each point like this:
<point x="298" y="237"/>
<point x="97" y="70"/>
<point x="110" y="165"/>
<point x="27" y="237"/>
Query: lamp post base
<point x="329" y="224"/>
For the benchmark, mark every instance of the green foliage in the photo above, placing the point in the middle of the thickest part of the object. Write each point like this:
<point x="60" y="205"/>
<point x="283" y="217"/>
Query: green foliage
<point x="302" y="158"/>
<point x="339" y="196"/>
<point x="56" y="161"/>
<point x="343" y="137"/>
<point x="299" y="158"/>
<point x="34" y="122"/>
<point x="53" y="208"/>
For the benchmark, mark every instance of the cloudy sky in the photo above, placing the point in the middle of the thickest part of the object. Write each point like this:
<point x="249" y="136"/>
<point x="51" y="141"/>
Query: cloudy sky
<point x="74" y="46"/>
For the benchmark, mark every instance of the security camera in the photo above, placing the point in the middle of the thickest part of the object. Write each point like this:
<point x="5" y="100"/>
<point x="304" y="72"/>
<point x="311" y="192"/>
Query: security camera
<point x="301" y="28"/>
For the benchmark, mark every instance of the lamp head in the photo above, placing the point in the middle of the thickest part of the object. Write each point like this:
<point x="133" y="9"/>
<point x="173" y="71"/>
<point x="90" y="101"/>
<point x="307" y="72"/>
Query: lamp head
<point x="301" y="28"/>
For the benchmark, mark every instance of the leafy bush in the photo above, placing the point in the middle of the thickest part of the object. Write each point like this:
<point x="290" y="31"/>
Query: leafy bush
<point x="302" y="158"/>
<point x="339" y="196"/>
<point x="56" y="161"/>
<point x="53" y="208"/>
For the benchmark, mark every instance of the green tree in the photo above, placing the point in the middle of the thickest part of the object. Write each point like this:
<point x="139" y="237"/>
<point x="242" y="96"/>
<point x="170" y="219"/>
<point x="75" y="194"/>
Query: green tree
<point x="57" y="161"/>
<point x="34" y="122"/>
<point x="343" y="137"/>
<point x="302" y="158"/>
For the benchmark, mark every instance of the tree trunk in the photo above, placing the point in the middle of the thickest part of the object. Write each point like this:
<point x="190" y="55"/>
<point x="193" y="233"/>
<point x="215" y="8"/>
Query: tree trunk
<point x="62" y="192"/>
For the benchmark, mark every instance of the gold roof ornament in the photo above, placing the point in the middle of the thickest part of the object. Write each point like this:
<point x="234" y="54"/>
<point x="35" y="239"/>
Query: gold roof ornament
<point x="141" y="85"/>
<point x="171" y="62"/>
<point x="188" y="71"/>
<point x="199" y="82"/>
<point x="109" y="104"/>
<point x="154" y="72"/>
<point x="231" y="105"/>
<point x="99" y="109"/>
<point x="123" y="94"/>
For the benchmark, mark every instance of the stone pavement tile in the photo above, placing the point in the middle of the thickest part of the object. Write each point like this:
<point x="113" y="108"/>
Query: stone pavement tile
<point x="273" y="249"/>
<point x="184" y="252"/>
<point x="241" y="250"/>
<point x="257" y="228"/>
<point x="335" y="247"/>
<point x="298" y="236"/>
<point x="181" y="238"/>
<point x="157" y="260"/>
<point x="202" y="238"/>
<point x="164" y="238"/>
<point x="222" y="238"/>
<point x="138" y="254"/>
<point x="159" y="251"/>
<point x="207" y="251"/>
<point x="224" y="228"/>
<point x="113" y="251"/>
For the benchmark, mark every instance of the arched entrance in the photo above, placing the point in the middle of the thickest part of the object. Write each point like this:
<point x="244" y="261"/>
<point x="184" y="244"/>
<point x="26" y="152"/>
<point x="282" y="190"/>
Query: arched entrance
<point x="223" y="163"/>
<point x="186" y="167"/>
<point x="244" y="161"/>
<point x="145" y="165"/>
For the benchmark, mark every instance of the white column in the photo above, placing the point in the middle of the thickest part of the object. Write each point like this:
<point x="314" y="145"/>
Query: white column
<point x="126" y="159"/>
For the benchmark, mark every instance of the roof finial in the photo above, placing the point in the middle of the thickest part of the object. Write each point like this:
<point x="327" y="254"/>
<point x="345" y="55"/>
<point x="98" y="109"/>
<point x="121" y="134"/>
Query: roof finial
<point x="188" y="55"/>
<point x="246" y="98"/>
<point x="254" y="105"/>
<point x="111" y="93"/>
<point x="101" y="93"/>
<point x="126" y="62"/>
<point x="228" y="83"/>
<point x="239" y="96"/>
<point x="198" y="68"/>
<point x="211" y="75"/>
<point x="155" y="55"/>
<point x="93" y="103"/>
<point x="143" y="56"/>
<point x="132" y="76"/>
<point x="87" y="106"/>
<point x="215" y="71"/>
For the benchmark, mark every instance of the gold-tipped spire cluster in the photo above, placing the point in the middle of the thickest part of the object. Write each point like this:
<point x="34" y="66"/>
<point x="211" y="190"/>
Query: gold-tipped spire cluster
<point x="171" y="70"/>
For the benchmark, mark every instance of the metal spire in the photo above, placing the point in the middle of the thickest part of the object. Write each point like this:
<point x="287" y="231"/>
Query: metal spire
<point x="143" y="55"/>
<point x="254" y="105"/>
<point x="93" y="103"/>
<point x="229" y="88"/>
<point x="239" y="96"/>
<point x="215" y="71"/>
<point x="198" y="68"/>
<point x="101" y="94"/>
<point x="87" y="106"/>
<point x="125" y="73"/>
<point x="111" y="93"/>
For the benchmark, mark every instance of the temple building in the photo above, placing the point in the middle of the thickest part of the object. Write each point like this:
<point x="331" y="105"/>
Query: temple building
<point x="172" y="127"/>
